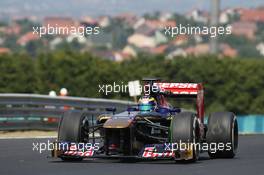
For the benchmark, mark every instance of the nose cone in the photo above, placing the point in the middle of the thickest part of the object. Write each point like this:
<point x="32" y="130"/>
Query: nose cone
<point x="117" y="123"/>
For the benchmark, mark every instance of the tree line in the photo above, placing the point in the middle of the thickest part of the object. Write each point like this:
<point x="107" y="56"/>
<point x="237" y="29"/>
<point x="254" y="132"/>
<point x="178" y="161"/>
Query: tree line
<point x="230" y="84"/>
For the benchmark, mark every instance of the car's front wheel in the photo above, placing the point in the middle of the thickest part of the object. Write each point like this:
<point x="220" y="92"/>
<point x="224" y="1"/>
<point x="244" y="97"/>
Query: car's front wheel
<point x="73" y="128"/>
<point x="185" y="129"/>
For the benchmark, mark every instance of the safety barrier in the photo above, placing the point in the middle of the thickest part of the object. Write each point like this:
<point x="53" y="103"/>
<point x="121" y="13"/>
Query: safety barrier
<point x="31" y="111"/>
<point x="251" y="124"/>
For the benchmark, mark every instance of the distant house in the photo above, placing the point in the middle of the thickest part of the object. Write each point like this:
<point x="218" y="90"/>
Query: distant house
<point x="63" y="23"/>
<point x="79" y="38"/>
<point x="141" y="41"/>
<point x="243" y="28"/>
<point x="228" y="51"/>
<point x="104" y="21"/>
<point x="199" y="49"/>
<point x="157" y="24"/>
<point x="198" y="16"/>
<point x="160" y="37"/>
<point x="88" y="21"/>
<point x="180" y="40"/>
<point x="148" y="37"/>
<point x="139" y="22"/>
<point x="120" y="56"/>
<point x="253" y="15"/>
<point x="159" y="49"/>
<point x="165" y="16"/>
<point x="4" y="50"/>
<point x="223" y="18"/>
<point x="2" y="40"/>
<point x="55" y="42"/>
<point x="112" y="55"/>
<point x="177" y="52"/>
<point x="225" y="15"/>
<point x="130" y="50"/>
<point x="145" y="29"/>
<point x="260" y="48"/>
<point x="14" y="29"/>
<point x="24" y="39"/>
<point x="198" y="38"/>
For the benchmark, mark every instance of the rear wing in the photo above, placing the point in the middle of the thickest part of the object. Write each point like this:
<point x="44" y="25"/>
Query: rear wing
<point x="192" y="90"/>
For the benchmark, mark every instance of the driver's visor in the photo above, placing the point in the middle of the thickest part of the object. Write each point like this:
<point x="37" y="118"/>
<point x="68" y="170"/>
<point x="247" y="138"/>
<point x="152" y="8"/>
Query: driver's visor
<point x="145" y="107"/>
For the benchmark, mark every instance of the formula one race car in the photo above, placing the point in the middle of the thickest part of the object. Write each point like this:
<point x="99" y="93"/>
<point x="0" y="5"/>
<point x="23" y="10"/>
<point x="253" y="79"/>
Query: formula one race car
<point x="152" y="129"/>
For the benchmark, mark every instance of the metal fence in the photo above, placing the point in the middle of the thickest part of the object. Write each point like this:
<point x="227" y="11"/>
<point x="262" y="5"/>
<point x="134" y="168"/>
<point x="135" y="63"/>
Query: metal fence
<point x="31" y="111"/>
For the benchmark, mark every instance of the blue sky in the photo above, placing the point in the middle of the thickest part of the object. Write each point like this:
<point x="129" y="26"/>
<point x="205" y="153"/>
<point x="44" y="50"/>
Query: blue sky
<point x="110" y="7"/>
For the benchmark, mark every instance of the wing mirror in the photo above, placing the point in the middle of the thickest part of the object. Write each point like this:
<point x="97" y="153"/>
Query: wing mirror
<point x="111" y="109"/>
<point x="130" y="109"/>
<point x="175" y="110"/>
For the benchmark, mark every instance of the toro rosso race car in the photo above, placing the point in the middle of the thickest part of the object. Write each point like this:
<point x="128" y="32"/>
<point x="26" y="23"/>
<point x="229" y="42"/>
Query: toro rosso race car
<point x="152" y="129"/>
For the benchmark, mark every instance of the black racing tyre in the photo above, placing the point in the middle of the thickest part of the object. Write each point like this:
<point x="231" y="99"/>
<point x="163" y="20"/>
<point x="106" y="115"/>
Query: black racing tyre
<point x="185" y="128"/>
<point x="73" y="128"/>
<point x="222" y="129"/>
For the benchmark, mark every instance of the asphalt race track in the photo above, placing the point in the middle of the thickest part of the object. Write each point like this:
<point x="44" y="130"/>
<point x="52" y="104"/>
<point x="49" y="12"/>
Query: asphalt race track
<point x="17" y="157"/>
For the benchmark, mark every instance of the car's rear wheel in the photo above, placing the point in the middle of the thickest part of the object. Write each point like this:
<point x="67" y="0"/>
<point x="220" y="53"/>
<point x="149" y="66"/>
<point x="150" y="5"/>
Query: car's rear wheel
<point x="185" y="129"/>
<point x="73" y="128"/>
<point x="222" y="129"/>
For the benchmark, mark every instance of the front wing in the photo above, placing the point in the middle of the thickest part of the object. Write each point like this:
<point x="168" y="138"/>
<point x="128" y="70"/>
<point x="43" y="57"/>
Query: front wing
<point x="153" y="151"/>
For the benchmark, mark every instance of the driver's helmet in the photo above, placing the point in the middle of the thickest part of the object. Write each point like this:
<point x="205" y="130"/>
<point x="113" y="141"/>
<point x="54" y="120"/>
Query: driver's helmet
<point x="147" y="104"/>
